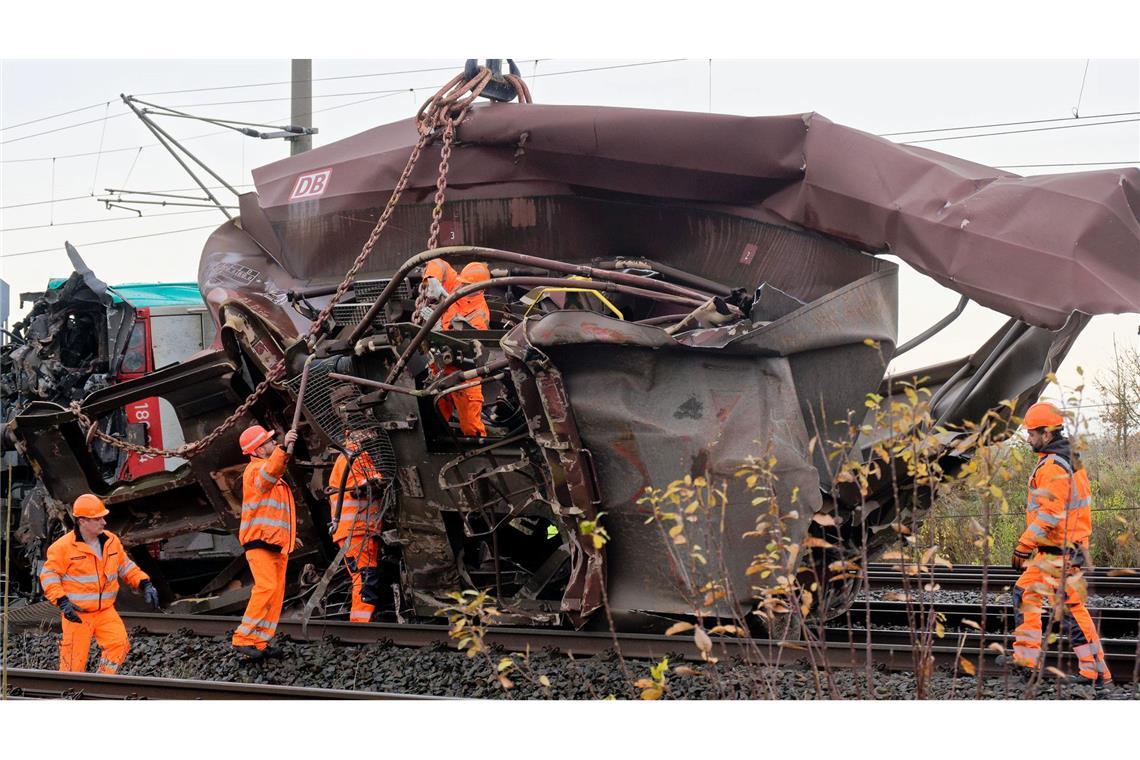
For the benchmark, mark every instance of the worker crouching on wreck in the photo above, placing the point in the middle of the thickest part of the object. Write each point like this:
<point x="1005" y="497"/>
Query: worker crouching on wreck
<point x="268" y="534"/>
<point x="353" y="491"/>
<point x="471" y="313"/>
<point x="81" y="577"/>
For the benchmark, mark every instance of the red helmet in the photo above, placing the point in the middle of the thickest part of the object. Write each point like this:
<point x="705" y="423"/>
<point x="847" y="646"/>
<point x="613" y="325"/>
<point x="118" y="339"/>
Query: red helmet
<point x="252" y="437"/>
<point x="1043" y="415"/>
<point x="475" y="272"/>
<point x="89" y="505"/>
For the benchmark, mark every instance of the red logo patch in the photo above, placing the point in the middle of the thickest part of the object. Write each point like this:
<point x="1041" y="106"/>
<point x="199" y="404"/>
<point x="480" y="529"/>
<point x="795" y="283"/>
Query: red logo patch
<point x="311" y="185"/>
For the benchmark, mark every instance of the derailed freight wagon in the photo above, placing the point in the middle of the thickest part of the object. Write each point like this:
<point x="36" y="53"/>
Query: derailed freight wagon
<point x="82" y="335"/>
<point x="672" y="293"/>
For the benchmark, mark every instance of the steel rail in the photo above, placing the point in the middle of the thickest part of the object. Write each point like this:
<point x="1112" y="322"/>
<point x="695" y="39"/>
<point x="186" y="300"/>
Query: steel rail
<point x="54" y="684"/>
<point x="1102" y="580"/>
<point x="1112" y="622"/>
<point x="839" y="646"/>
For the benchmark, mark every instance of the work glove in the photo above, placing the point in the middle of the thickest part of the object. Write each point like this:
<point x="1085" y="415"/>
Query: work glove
<point x="69" y="610"/>
<point x="1020" y="556"/>
<point x="150" y="594"/>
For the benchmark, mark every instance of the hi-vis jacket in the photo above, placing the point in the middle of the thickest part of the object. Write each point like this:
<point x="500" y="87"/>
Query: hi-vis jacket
<point x="358" y="514"/>
<point x="470" y="312"/>
<point x="267" y="511"/>
<point x="1058" y="510"/>
<point x="73" y="570"/>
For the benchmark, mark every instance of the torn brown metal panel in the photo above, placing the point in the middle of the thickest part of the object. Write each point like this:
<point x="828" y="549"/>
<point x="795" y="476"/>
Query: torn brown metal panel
<point x="978" y="230"/>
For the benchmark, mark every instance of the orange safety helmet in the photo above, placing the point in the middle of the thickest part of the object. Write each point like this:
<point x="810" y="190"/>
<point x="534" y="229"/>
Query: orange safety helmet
<point x="440" y="270"/>
<point x="89" y="505"/>
<point x="475" y="272"/>
<point x="1043" y="415"/>
<point x="252" y="437"/>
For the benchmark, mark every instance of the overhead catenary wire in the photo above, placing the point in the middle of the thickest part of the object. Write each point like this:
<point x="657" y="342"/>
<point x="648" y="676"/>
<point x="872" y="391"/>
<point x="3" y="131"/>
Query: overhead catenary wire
<point x="327" y="95"/>
<point x="1080" y="163"/>
<point x="54" y="116"/>
<point x="91" y="197"/>
<point x="317" y="79"/>
<point x="1020" y="131"/>
<point x="1008" y="124"/>
<point x="116" y="240"/>
<point x="101" y="221"/>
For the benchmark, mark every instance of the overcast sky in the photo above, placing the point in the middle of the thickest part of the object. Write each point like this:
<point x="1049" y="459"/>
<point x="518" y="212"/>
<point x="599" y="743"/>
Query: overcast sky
<point x="53" y="170"/>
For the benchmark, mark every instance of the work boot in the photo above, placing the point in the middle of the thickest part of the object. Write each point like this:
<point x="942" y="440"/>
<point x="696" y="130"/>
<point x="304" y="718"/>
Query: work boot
<point x="250" y="654"/>
<point x="1100" y="682"/>
<point x="273" y="653"/>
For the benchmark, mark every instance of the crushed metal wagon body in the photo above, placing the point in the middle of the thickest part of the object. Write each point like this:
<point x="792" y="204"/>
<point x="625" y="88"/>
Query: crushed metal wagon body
<point x="594" y="396"/>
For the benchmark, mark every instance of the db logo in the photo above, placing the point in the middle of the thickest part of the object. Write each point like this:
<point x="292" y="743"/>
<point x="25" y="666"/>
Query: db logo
<point x="311" y="185"/>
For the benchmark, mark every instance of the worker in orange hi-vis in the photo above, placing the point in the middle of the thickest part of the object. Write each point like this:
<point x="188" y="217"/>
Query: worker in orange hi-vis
<point x="358" y="523"/>
<point x="472" y="313"/>
<point x="81" y="576"/>
<point x="1054" y="548"/>
<point x="268" y="534"/>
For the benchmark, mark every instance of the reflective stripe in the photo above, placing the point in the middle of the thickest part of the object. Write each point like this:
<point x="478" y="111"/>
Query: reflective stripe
<point x="1037" y="530"/>
<point x="1029" y="635"/>
<point x="82" y="578"/>
<point x="126" y="567"/>
<point x="47" y="578"/>
<point x="1048" y="518"/>
<point x="271" y="503"/>
<point x="265" y="521"/>
<point x="268" y="478"/>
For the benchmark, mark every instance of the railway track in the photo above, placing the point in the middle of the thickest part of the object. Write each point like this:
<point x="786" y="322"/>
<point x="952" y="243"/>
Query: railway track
<point x="1101" y="580"/>
<point x="839" y="646"/>
<point x="1112" y="622"/>
<point x="50" y="684"/>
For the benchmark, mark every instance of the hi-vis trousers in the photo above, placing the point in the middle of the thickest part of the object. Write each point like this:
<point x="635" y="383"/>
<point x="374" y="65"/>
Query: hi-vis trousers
<point x="1037" y="588"/>
<point x="259" y="622"/>
<point x="110" y="634"/>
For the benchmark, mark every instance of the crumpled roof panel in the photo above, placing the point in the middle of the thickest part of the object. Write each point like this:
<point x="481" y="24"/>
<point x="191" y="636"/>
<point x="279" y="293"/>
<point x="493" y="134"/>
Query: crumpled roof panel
<point x="1037" y="248"/>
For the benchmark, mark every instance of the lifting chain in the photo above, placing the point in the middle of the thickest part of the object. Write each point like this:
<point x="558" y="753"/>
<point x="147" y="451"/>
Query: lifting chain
<point x="445" y="110"/>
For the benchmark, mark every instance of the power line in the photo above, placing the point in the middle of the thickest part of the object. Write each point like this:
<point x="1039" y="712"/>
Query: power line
<point x="116" y="240"/>
<point x="61" y="129"/>
<point x="319" y="79"/>
<point x="1009" y="124"/>
<point x="100" y="221"/>
<point x="608" y="68"/>
<point x="42" y="203"/>
<point x="53" y="116"/>
<point x="91" y="197"/>
<point x="1085" y="163"/>
<point x="1017" y="131"/>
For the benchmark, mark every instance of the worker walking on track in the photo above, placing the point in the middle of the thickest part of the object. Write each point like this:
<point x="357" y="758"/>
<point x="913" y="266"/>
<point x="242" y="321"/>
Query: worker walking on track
<point x="1054" y="548"/>
<point x="81" y="576"/>
<point x="358" y="523"/>
<point x="468" y="313"/>
<point x="268" y="534"/>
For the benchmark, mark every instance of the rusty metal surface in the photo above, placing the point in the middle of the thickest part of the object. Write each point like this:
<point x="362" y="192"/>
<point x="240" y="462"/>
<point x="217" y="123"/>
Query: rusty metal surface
<point x="761" y="212"/>
<point x="978" y="230"/>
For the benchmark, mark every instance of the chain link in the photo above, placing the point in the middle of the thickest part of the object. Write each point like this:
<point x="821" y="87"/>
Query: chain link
<point x="446" y="109"/>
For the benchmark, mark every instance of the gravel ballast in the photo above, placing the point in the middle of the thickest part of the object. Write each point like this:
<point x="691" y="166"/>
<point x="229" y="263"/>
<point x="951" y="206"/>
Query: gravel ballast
<point x="442" y="671"/>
